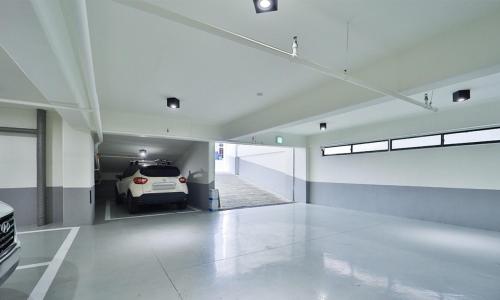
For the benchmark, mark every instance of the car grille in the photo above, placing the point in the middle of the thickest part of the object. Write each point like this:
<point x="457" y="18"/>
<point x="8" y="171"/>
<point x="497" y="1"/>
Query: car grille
<point x="7" y="238"/>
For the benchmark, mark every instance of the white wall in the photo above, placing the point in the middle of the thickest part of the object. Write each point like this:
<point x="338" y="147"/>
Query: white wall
<point x="269" y="139"/>
<point x="54" y="150"/>
<point x="270" y="168"/>
<point x="17" y="117"/>
<point x="77" y="158"/>
<point x="473" y="167"/>
<point x="17" y="152"/>
<point x="227" y="164"/>
<point x="456" y="185"/>
<point x="17" y="161"/>
<point x="276" y="158"/>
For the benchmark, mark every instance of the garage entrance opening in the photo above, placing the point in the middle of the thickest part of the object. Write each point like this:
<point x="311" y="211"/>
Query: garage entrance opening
<point x="142" y="176"/>
<point x="254" y="175"/>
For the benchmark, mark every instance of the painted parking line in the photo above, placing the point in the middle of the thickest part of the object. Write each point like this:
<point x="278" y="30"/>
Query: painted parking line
<point x="33" y="266"/>
<point x="42" y="286"/>
<point x="45" y="230"/>
<point x="107" y="216"/>
<point x="50" y="273"/>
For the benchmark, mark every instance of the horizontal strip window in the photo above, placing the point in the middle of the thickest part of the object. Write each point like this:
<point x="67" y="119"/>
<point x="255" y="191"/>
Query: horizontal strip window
<point x="371" y="147"/>
<point x="457" y="138"/>
<point x="482" y="136"/>
<point x="416" y="142"/>
<point x="337" y="150"/>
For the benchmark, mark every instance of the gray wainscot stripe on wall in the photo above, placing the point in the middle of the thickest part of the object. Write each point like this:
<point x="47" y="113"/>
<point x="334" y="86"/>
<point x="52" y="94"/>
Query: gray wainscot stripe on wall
<point x="269" y="179"/>
<point x="23" y="200"/>
<point x="300" y="190"/>
<point x="474" y="208"/>
<point x="78" y="206"/>
<point x="198" y="194"/>
<point x="54" y="204"/>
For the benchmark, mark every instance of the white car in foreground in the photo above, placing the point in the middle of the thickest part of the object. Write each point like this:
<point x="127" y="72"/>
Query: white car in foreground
<point x="9" y="244"/>
<point x="151" y="184"/>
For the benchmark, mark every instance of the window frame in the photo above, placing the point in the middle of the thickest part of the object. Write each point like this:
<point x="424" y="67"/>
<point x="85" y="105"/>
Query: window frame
<point x="374" y="151"/>
<point x="418" y="147"/>
<point x="390" y="142"/>
<point x="470" y="143"/>
<point x="335" y="146"/>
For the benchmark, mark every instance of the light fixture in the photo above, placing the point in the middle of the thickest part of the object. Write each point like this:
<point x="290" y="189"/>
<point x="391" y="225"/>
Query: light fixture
<point x="173" y="103"/>
<point x="262" y="6"/>
<point x="322" y="126"/>
<point x="279" y="139"/>
<point x="142" y="153"/>
<point x="295" y="46"/>
<point x="461" y="95"/>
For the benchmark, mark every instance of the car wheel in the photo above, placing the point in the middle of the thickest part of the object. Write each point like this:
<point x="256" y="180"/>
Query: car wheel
<point x="182" y="205"/>
<point x="118" y="197"/>
<point x="131" y="205"/>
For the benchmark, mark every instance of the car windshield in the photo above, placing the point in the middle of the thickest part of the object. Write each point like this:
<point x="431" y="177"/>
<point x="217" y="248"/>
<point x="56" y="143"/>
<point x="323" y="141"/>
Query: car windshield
<point x="160" y="171"/>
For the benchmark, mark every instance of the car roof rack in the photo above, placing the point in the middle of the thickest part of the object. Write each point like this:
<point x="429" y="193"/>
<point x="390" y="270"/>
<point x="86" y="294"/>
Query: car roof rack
<point x="157" y="162"/>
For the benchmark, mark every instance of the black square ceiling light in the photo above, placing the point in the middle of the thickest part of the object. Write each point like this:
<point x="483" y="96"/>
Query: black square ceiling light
<point x="262" y="6"/>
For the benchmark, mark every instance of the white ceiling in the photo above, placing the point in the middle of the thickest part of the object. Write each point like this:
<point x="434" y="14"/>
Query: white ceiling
<point x="484" y="91"/>
<point x="140" y="59"/>
<point x="14" y="84"/>
<point x="118" y="150"/>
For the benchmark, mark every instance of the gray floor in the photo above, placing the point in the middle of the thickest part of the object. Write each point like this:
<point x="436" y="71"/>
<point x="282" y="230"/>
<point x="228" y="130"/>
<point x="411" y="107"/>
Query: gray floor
<point x="296" y="251"/>
<point x="235" y="192"/>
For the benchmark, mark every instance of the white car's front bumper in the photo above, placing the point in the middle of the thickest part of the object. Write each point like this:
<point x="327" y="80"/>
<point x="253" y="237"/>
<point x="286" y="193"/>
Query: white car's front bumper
<point x="9" y="262"/>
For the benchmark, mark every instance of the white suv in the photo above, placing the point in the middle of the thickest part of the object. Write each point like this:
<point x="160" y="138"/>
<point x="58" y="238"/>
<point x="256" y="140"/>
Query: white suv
<point x="151" y="184"/>
<point x="9" y="244"/>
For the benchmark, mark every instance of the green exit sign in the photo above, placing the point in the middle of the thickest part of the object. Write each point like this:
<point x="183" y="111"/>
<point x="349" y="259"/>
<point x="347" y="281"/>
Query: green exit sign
<point x="279" y="140"/>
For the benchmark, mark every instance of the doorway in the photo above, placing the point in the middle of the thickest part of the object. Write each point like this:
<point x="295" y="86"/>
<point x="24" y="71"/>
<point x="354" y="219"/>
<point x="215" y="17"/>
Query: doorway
<point x="254" y="175"/>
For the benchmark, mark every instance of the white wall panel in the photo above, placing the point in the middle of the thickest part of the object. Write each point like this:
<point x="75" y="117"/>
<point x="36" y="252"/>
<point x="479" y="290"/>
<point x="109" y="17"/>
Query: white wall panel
<point x="77" y="157"/>
<point x="17" y="161"/>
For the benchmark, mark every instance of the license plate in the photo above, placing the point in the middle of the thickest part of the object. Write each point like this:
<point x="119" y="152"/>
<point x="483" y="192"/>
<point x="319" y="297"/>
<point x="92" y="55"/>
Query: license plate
<point x="164" y="186"/>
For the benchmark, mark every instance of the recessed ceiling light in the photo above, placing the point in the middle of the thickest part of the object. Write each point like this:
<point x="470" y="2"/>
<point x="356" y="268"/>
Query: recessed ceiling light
<point x="173" y="103"/>
<point x="322" y="126"/>
<point x="262" y="6"/>
<point x="142" y="153"/>
<point x="461" y="96"/>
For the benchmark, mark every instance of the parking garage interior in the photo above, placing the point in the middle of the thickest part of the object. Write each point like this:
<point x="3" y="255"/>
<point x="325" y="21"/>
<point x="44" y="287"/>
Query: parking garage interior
<point x="314" y="149"/>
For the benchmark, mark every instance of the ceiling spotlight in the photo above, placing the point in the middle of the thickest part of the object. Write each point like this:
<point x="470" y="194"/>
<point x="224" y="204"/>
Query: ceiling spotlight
<point x="295" y="46"/>
<point x="173" y="103"/>
<point x="461" y="96"/>
<point x="142" y="153"/>
<point x="322" y="126"/>
<point x="262" y="6"/>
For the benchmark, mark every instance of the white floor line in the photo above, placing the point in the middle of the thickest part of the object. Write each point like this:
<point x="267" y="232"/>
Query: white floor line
<point x="193" y="208"/>
<point x="45" y="230"/>
<point x="107" y="214"/>
<point x="157" y="215"/>
<point x="50" y="273"/>
<point x="33" y="266"/>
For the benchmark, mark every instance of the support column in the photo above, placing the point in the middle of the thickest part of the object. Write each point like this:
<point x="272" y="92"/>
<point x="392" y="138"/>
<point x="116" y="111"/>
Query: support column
<point x="41" y="164"/>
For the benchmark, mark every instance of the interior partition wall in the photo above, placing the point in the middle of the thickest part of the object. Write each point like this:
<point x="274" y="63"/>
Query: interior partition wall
<point x="455" y="181"/>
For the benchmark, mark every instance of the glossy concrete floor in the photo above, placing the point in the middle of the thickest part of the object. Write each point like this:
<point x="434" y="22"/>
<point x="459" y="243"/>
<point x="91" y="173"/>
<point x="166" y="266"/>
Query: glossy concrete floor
<point x="294" y="251"/>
